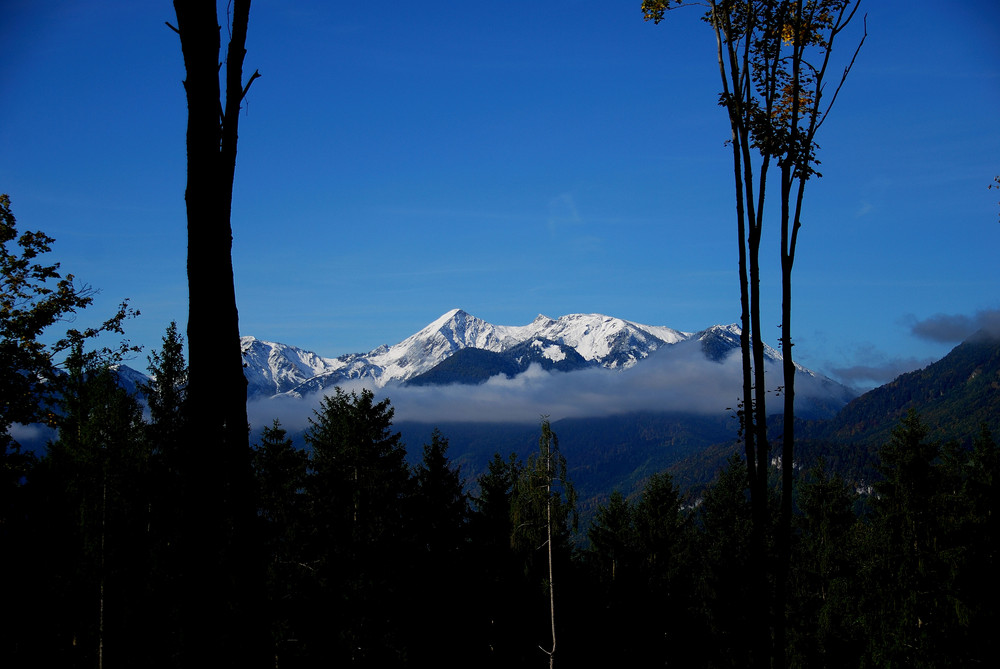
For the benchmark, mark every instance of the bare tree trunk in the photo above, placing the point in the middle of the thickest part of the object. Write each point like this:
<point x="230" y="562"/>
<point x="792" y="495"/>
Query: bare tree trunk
<point x="217" y="493"/>
<point x="548" y="538"/>
<point x="104" y="529"/>
<point x="733" y="67"/>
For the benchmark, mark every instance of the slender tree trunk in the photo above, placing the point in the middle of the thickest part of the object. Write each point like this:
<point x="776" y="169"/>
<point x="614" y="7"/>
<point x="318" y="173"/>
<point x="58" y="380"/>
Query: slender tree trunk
<point x="548" y="537"/>
<point x="104" y="529"/>
<point x="733" y="67"/>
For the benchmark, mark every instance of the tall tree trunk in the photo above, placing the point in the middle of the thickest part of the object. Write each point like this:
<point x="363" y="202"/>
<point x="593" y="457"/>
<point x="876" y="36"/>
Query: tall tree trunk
<point x="217" y="504"/>
<point x="749" y="211"/>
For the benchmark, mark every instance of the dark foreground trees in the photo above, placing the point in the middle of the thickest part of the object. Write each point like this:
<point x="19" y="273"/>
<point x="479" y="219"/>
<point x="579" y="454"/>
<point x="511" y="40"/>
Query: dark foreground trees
<point x="371" y="562"/>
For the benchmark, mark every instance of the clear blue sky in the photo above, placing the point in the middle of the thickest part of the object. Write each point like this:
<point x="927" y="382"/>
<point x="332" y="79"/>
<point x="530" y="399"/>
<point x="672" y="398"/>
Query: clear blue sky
<point x="399" y="159"/>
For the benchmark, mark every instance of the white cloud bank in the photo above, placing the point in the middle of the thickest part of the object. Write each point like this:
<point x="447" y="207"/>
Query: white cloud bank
<point x="672" y="379"/>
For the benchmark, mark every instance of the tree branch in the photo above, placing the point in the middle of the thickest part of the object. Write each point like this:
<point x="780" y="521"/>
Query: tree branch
<point x="255" y="75"/>
<point x="847" y="71"/>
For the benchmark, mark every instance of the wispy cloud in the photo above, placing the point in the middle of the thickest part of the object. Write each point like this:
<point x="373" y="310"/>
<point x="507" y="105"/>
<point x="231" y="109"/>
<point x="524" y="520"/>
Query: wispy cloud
<point x="954" y="328"/>
<point x="864" y="376"/>
<point x="562" y="212"/>
<point x="867" y="367"/>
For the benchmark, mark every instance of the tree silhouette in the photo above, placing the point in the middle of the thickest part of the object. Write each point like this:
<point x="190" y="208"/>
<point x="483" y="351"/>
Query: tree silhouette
<point x="217" y="477"/>
<point x="773" y="58"/>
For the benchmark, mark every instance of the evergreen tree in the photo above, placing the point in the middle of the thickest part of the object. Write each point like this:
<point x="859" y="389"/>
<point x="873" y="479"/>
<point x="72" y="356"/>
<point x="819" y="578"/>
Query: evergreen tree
<point x="166" y="434"/>
<point x="726" y="592"/>
<point x="614" y="557"/>
<point x="908" y="614"/>
<point x="499" y="610"/>
<point x="97" y="529"/>
<point x="639" y="551"/>
<point x="977" y="579"/>
<point x="165" y="396"/>
<point x="440" y="502"/>
<point x="280" y="472"/>
<point x="823" y="632"/>
<point x="613" y="541"/>
<point x="443" y="632"/>
<point x="664" y="546"/>
<point x="359" y="490"/>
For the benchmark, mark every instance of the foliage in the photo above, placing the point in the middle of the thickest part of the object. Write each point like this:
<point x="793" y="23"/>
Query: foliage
<point x="34" y="297"/>
<point x="773" y="58"/>
<point x="359" y="490"/>
<point x="96" y="519"/>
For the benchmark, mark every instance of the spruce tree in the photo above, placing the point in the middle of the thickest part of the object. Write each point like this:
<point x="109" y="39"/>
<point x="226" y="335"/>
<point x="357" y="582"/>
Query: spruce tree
<point x="442" y="632"/>
<point x="280" y="471"/>
<point x="359" y="490"/>
<point x="501" y="628"/>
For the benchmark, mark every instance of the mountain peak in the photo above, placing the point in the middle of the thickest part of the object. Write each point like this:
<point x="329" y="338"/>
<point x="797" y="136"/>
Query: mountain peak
<point x="447" y="317"/>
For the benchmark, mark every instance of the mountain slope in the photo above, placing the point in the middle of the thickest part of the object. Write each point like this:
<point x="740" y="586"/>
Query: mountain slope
<point x="476" y="365"/>
<point x="953" y="397"/>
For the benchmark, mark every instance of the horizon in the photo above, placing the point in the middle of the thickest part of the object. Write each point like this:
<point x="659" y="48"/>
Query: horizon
<point x="393" y="167"/>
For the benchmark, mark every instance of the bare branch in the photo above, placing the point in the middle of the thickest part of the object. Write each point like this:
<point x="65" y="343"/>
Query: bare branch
<point x="847" y="71"/>
<point x="255" y="75"/>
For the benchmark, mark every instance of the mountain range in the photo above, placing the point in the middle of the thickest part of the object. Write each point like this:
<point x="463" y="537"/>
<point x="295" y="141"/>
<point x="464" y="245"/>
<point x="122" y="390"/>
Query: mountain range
<point x="458" y="348"/>
<point x="630" y="399"/>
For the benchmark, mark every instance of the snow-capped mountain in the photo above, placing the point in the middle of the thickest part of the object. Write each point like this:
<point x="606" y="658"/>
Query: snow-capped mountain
<point x="272" y="369"/>
<point x="458" y="348"/>
<point x="601" y="340"/>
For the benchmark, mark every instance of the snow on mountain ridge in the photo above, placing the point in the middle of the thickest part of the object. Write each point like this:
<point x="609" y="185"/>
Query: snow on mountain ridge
<point x="610" y="342"/>
<point x="276" y="368"/>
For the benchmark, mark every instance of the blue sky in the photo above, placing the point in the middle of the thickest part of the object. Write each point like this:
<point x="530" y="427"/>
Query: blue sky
<point x="399" y="159"/>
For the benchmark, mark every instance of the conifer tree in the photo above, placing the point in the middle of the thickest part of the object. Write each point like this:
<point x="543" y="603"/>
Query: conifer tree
<point x="98" y="473"/>
<point x="906" y="614"/>
<point x="823" y="632"/>
<point x="359" y="489"/>
<point x="499" y="615"/>
<point x="726" y="596"/>
<point x="280" y="471"/>
<point x="443" y="631"/>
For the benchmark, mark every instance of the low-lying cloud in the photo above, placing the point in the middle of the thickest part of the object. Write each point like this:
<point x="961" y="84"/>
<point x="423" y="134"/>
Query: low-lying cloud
<point x="672" y="379"/>
<point x="877" y="374"/>
<point x="869" y="367"/>
<point x="954" y="328"/>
